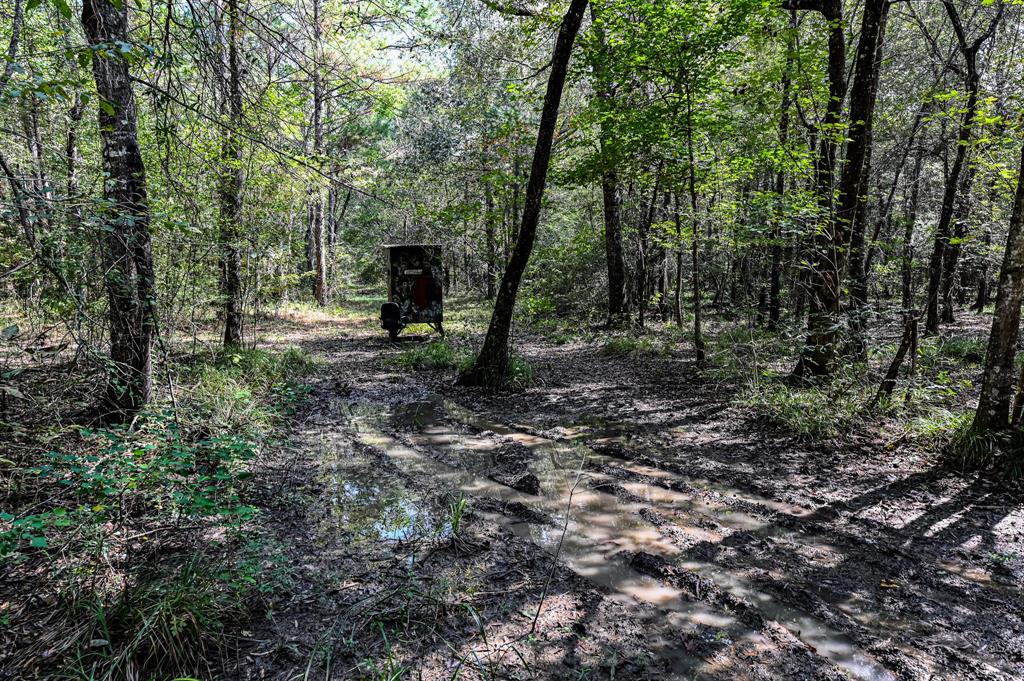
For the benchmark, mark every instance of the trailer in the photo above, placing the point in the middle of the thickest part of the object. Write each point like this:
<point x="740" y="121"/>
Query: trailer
<point x="415" y="288"/>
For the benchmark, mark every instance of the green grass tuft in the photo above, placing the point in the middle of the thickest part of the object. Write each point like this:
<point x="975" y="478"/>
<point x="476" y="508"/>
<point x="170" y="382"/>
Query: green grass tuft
<point x="439" y="354"/>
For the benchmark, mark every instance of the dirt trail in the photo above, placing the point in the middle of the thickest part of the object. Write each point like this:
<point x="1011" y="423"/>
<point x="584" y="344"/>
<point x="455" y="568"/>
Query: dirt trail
<point x="697" y="544"/>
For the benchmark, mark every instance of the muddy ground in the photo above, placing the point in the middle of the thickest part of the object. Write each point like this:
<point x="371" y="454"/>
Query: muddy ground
<point x="426" y="532"/>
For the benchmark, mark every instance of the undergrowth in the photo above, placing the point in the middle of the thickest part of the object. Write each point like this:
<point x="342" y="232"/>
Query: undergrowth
<point x="438" y="354"/>
<point x="144" y="531"/>
<point x="443" y="355"/>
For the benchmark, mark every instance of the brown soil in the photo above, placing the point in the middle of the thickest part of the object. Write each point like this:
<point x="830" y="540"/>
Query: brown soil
<point x="771" y="546"/>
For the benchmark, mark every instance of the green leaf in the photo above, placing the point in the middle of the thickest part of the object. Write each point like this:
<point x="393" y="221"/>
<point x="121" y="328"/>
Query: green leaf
<point x="38" y="542"/>
<point x="9" y="332"/>
<point x="62" y="7"/>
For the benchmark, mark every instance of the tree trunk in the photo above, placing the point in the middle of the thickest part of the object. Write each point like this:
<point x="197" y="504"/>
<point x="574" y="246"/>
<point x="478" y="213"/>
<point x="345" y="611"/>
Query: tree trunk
<point x="908" y="235"/>
<point x="966" y="132"/>
<point x="698" y="328"/>
<point x="981" y="302"/>
<point x="951" y="255"/>
<point x="491" y="245"/>
<point x="859" y="246"/>
<point x="993" y="412"/>
<point x="491" y="365"/>
<point x="823" y="256"/>
<point x="317" y="233"/>
<point x="611" y="188"/>
<point x="232" y="184"/>
<point x="775" y="288"/>
<point x="130" y="278"/>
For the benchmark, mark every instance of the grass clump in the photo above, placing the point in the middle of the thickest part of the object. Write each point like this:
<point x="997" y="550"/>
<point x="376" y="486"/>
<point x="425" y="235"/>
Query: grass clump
<point x="809" y="411"/>
<point x="628" y="346"/>
<point x="438" y="354"/>
<point x="163" y="626"/>
<point x="246" y="391"/>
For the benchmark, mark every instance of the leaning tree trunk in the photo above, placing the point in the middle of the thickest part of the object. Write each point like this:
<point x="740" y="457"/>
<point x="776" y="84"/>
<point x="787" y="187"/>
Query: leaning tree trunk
<point x="128" y="253"/>
<point x="232" y="183"/>
<point x="997" y="384"/>
<point x="491" y="365"/>
<point x="953" y="181"/>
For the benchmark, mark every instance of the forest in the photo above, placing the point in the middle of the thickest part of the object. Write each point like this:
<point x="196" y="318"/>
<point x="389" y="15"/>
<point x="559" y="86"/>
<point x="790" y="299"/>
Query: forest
<point x="511" y="339"/>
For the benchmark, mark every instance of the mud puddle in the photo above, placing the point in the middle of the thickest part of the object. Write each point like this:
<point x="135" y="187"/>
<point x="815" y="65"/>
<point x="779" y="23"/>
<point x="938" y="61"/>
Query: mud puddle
<point x="602" y="531"/>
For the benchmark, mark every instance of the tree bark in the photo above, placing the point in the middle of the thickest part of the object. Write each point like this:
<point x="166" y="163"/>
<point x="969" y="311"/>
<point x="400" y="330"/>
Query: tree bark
<point x="130" y="278"/>
<point x="824" y="270"/>
<point x="698" y="292"/>
<point x="491" y="244"/>
<point x="859" y="246"/>
<point x="611" y="187"/>
<point x="491" y="365"/>
<point x="908" y="235"/>
<point x="317" y="235"/>
<point x="993" y="412"/>
<point x="232" y="185"/>
<point x="951" y="255"/>
<point x="775" y="287"/>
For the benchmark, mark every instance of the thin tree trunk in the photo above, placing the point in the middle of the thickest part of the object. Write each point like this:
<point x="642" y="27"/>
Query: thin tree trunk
<point x="908" y="235"/>
<point x="317" y="234"/>
<point x="951" y="255"/>
<point x="906" y="343"/>
<point x="232" y="184"/>
<point x="611" y="187"/>
<point x="491" y="365"/>
<point x="859" y="246"/>
<point x="966" y="132"/>
<point x="824" y="270"/>
<point x="642" y="260"/>
<point x="993" y="412"/>
<point x="981" y="302"/>
<point x="489" y="228"/>
<point x="698" y="328"/>
<point x="130" y="278"/>
<point x="775" y="288"/>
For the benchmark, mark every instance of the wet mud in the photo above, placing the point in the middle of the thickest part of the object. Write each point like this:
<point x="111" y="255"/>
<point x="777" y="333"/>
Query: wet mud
<point x="627" y="528"/>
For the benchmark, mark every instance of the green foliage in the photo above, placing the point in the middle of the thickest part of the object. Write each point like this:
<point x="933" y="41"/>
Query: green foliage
<point x="521" y="374"/>
<point x="149" y="470"/>
<point x="625" y="346"/>
<point x="456" y="509"/>
<point x="246" y="391"/>
<point x="164" y="625"/>
<point x="811" y="412"/>
<point x="439" y="354"/>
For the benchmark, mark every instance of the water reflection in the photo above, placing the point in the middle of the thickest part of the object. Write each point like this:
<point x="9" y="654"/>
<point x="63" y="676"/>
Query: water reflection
<point x="603" y="530"/>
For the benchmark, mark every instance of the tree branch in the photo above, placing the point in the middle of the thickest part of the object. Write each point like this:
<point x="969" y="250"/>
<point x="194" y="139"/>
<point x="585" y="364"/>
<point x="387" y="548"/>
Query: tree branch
<point x="509" y="10"/>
